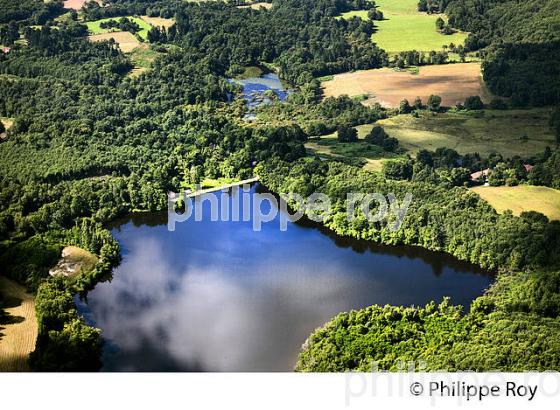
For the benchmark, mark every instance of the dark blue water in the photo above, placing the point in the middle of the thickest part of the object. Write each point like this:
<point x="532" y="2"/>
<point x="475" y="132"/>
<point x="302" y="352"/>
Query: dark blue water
<point x="217" y="296"/>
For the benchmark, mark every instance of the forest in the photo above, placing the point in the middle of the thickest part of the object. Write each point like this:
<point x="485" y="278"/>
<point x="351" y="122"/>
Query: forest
<point x="90" y="142"/>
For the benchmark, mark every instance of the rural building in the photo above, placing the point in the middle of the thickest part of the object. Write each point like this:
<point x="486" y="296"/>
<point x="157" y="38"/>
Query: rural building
<point x="6" y="50"/>
<point x="480" y="177"/>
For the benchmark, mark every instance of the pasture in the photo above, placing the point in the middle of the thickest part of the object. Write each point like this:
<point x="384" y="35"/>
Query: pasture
<point x="522" y="198"/>
<point x="387" y="86"/>
<point x="94" y="27"/>
<point x="494" y="131"/>
<point x="18" y="332"/>
<point x="404" y="28"/>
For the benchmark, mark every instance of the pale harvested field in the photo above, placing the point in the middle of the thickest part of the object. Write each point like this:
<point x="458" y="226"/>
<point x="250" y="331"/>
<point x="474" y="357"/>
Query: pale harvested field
<point x="522" y="198"/>
<point x="158" y="21"/>
<point x="17" y="339"/>
<point x="126" y="41"/>
<point x="452" y="82"/>
<point x="74" y="4"/>
<point x="256" y="6"/>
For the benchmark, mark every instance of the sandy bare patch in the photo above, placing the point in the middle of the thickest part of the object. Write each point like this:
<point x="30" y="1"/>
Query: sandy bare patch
<point x="452" y="82"/>
<point x="126" y="41"/>
<point x="73" y="261"/>
<point x="158" y="21"/>
<point x="7" y="125"/>
<point x="18" y="335"/>
<point x="256" y="6"/>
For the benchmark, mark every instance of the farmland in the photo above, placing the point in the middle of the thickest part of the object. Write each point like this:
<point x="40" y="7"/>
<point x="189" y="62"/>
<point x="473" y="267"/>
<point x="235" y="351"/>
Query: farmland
<point x="386" y="86"/>
<point x="522" y="198"/>
<point x="126" y="41"/>
<point x="494" y="131"/>
<point x="404" y="28"/>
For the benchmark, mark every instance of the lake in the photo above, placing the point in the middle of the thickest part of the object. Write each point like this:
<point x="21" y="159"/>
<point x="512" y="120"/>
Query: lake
<point x="218" y="296"/>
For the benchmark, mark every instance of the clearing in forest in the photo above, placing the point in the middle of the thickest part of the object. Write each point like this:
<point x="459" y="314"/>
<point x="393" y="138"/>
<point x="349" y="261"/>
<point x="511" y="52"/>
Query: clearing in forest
<point x="510" y="132"/>
<point x="18" y="332"/>
<point x="404" y="28"/>
<point x="522" y="198"/>
<point x="126" y="41"/>
<point x="94" y="27"/>
<point x="387" y="86"/>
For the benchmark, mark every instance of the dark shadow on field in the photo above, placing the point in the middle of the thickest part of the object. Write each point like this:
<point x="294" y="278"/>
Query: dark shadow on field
<point x="10" y="302"/>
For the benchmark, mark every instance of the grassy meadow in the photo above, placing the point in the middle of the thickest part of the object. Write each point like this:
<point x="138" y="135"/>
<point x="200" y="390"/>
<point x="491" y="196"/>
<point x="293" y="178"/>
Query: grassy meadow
<point x="522" y="198"/>
<point x="95" y="28"/>
<point x="404" y="28"/>
<point x="494" y="131"/>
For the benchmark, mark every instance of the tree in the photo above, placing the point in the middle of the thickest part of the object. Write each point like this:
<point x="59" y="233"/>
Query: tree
<point x="473" y="103"/>
<point x="398" y="169"/>
<point x="346" y="133"/>
<point x="418" y="104"/>
<point x="374" y="14"/>
<point x="440" y="24"/>
<point x="404" y="107"/>
<point x="434" y="102"/>
<point x="2" y="128"/>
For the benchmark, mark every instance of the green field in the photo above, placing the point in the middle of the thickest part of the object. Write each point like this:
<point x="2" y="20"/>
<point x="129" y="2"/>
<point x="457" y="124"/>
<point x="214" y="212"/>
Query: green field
<point x="522" y="198"/>
<point x="495" y="131"/>
<point x="94" y="26"/>
<point x="405" y="29"/>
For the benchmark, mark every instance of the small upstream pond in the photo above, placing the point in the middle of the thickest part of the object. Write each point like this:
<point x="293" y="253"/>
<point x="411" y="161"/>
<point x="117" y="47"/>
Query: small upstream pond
<point x="254" y="89"/>
<point x="218" y="296"/>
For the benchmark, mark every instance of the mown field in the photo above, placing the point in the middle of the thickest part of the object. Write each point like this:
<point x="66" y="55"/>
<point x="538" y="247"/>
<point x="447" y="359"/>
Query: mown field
<point x="495" y="131"/>
<point x="522" y="198"/>
<point x="405" y="29"/>
<point x="19" y="332"/>
<point x="386" y="86"/>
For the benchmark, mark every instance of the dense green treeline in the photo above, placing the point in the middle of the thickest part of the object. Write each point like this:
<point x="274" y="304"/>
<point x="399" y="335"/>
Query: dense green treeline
<point x="455" y="220"/>
<point x="520" y="41"/>
<point x="303" y="39"/>
<point x="505" y="330"/>
<point x="32" y="11"/>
